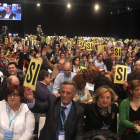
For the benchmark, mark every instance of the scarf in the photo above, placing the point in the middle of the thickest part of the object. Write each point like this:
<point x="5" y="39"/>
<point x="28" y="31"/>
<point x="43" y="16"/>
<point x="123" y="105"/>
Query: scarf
<point x="104" y="111"/>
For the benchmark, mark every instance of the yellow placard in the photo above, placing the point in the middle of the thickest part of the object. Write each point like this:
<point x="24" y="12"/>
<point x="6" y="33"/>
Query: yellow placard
<point x="64" y="40"/>
<point x="120" y="74"/>
<point x="32" y="73"/>
<point x="6" y="40"/>
<point x="71" y="40"/>
<point x="69" y="45"/>
<point x="48" y="40"/>
<point x="81" y="44"/>
<point x="136" y="49"/>
<point x="52" y="39"/>
<point x="82" y="69"/>
<point x="37" y="42"/>
<point x="78" y="42"/>
<point x="43" y="39"/>
<point x="12" y="39"/>
<point x="34" y="37"/>
<point x="89" y="46"/>
<point x="23" y="41"/>
<point x="8" y="55"/>
<point x="100" y="48"/>
<point x="117" y="51"/>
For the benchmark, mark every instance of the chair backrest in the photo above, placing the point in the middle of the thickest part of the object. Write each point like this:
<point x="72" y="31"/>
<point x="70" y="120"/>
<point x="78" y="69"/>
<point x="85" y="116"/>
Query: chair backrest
<point x="41" y="124"/>
<point x="118" y="122"/>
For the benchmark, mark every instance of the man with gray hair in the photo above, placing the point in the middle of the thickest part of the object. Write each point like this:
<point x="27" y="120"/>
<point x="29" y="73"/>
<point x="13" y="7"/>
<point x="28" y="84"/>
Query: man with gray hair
<point x="60" y="78"/>
<point x="65" y="115"/>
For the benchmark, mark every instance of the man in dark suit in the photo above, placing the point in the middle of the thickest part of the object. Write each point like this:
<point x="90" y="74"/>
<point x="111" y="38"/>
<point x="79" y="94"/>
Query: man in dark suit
<point x="8" y="14"/>
<point x="42" y="90"/>
<point x="68" y="121"/>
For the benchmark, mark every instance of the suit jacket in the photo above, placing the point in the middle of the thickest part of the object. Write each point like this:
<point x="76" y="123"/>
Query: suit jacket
<point x="11" y="15"/>
<point x="53" y="68"/>
<point x="41" y="91"/>
<point x="73" y="125"/>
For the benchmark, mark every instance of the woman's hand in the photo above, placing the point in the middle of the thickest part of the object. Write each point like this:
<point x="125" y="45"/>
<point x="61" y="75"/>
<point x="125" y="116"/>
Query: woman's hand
<point x="125" y="84"/>
<point x="137" y="128"/>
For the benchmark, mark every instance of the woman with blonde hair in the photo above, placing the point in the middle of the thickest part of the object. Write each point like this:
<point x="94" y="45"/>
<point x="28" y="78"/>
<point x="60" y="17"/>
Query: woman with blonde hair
<point x="100" y="115"/>
<point x="83" y="92"/>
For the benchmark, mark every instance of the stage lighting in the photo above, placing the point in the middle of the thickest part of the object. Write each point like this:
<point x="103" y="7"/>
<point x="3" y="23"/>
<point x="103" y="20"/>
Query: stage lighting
<point x="38" y="4"/>
<point x="69" y="6"/>
<point x="96" y="7"/>
<point x="128" y="8"/>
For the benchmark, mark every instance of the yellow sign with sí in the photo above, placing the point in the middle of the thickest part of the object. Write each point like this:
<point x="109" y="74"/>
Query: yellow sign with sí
<point x="82" y="69"/>
<point x="117" y="51"/>
<point x="89" y="46"/>
<point x="32" y="73"/>
<point x="8" y="55"/>
<point x="120" y="74"/>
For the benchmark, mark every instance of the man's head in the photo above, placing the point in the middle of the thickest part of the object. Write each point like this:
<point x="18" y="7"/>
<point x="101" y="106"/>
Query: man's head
<point x="44" y="76"/>
<point x="8" y="9"/>
<point x="99" y="57"/>
<point x="2" y="55"/>
<point x="90" y="62"/>
<point x="133" y="54"/>
<point x="128" y="60"/>
<point x="67" y="92"/>
<point x="84" y="58"/>
<point x="36" y="55"/>
<point x="62" y="55"/>
<point x="67" y="67"/>
<point x="137" y="66"/>
<point x="12" y="80"/>
<point x="123" y="52"/>
<point x="32" y="52"/>
<point x="12" y="68"/>
<point x="60" y="64"/>
<point x="112" y="57"/>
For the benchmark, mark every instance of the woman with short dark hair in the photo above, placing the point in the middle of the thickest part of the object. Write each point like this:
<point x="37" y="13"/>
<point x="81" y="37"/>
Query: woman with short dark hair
<point x="15" y="117"/>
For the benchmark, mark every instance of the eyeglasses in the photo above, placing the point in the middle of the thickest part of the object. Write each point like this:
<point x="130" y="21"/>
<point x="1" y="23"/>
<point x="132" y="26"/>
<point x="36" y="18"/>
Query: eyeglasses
<point x="90" y="62"/>
<point x="14" y="95"/>
<point x="67" y="70"/>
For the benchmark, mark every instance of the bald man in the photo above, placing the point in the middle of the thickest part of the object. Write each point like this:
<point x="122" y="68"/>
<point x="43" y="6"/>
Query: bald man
<point x="12" y="80"/>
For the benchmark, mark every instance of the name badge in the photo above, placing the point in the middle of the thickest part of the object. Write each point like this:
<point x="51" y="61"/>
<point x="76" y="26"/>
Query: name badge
<point x="61" y="135"/>
<point x="105" y="127"/>
<point x="8" y="135"/>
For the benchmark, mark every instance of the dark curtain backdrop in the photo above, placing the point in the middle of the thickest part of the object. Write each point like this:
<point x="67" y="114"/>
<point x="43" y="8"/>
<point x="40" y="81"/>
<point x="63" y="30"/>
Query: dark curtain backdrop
<point x="79" y="21"/>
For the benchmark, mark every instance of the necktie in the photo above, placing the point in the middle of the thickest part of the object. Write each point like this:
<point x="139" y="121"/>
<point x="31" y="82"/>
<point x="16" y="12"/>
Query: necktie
<point x="63" y="113"/>
<point x="59" y="126"/>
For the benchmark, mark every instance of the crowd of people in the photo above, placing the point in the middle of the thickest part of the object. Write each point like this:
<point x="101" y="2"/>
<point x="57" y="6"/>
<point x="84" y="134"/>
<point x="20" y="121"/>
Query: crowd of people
<point x="75" y="90"/>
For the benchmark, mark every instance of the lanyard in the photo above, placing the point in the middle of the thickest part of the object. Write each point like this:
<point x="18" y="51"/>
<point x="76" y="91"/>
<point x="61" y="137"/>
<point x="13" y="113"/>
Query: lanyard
<point x="49" y="90"/>
<point x="63" y="121"/>
<point x="84" y="64"/>
<point x="13" y="117"/>
<point x="80" y="94"/>
<point x="98" y="116"/>
<point x="65" y="77"/>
